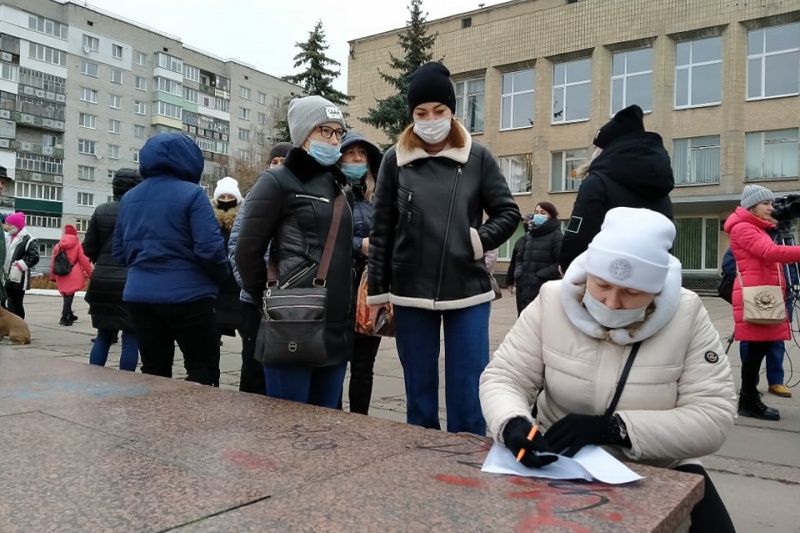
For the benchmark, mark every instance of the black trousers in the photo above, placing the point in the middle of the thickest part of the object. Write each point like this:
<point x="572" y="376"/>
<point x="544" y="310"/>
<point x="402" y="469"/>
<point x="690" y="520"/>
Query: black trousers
<point x="751" y="366"/>
<point x="252" y="375"/>
<point x="710" y="514"/>
<point x="365" y="349"/>
<point x="191" y="325"/>
<point x="14" y="294"/>
<point x="66" y="309"/>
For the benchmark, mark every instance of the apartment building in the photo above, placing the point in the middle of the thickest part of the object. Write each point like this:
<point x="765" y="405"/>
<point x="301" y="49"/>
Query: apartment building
<point x="535" y="79"/>
<point x="81" y="91"/>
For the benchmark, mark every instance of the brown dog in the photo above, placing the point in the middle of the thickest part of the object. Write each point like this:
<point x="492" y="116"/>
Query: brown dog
<point x="13" y="326"/>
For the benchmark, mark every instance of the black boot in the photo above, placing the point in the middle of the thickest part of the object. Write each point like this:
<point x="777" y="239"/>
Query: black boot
<point x="750" y="404"/>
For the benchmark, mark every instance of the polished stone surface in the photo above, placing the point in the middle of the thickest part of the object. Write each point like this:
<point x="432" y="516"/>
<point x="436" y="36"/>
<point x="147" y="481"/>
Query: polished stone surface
<point x="94" y="449"/>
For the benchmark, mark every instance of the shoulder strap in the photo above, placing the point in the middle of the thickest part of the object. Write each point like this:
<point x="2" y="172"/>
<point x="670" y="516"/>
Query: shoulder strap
<point x="622" y="379"/>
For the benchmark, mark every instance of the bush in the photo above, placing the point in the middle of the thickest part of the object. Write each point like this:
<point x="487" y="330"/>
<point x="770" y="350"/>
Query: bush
<point x="43" y="282"/>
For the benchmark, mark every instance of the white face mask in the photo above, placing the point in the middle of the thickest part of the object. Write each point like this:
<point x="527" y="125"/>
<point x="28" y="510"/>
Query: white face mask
<point x="612" y="318"/>
<point x="433" y="131"/>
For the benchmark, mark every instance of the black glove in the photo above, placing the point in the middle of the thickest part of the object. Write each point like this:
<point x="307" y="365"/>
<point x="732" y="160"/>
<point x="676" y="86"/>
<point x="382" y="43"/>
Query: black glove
<point x="573" y="432"/>
<point x="515" y="437"/>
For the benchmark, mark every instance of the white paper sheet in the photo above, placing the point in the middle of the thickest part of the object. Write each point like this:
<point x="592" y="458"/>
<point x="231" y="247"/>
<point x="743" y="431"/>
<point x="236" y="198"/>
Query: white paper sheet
<point x="591" y="463"/>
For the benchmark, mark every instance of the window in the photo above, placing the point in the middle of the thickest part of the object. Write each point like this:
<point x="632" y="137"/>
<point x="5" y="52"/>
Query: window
<point x="116" y="101"/>
<point x="698" y="73"/>
<point x="697" y="243"/>
<point x="244" y="135"/>
<point x="138" y="131"/>
<point x="562" y="167"/>
<point x="85" y="173"/>
<point x="572" y="90"/>
<point x="190" y="95"/>
<point x="113" y="151"/>
<point x="90" y="44"/>
<point x="39" y="163"/>
<point x="90" y="69"/>
<point x="47" y="54"/>
<point x="116" y="51"/>
<point x="696" y="160"/>
<point x="114" y="126"/>
<point x="262" y="98"/>
<point x="41" y="221"/>
<point x="771" y="154"/>
<point x="136" y="156"/>
<point x="262" y="118"/>
<point x="632" y="80"/>
<point x="244" y="113"/>
<point x="47" y="26"/>
<point x="141" y="59"/>
<point x="87" y="147"/>
<point x="244" y="92"/>
<point x="81" y="224"/>
<point x="110" y="175"/>
<point x="169" y="86"/>
<point x="191" y="73"/>
<point x="140" y="108"/>
<point x="140" y="83"/>
<point x="169" y="62"/>
<point x="244" y="155"/>
<point x="222" y="104"/>
<point x="85" y="120"/>
<point x="517" y="100"/>
<point x="9" y="72"/>
<point x="168" y="110"/>
<point x="505" y="250"/>
<point x="773" y="62"/>
<point x="517" y="170"/>
<point x="86" y="199"/>
<point x="88" y="95"/>
<point x="469" y="104"/>
<point x="116" y="76"/>
<point x="37" y="191"/>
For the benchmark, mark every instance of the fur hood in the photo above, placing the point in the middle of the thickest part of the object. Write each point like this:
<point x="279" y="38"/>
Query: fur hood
<point x="225" y="217"/>
<point x="659" y="314"/>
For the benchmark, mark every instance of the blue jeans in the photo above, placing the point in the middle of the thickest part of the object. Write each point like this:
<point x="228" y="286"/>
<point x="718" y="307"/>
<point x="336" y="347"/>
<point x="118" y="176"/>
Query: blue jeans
<point x="774" y="359"/>
<point x="130" y="349"/>
<point x="466" y="342"/>
<point x="320" y="385"/>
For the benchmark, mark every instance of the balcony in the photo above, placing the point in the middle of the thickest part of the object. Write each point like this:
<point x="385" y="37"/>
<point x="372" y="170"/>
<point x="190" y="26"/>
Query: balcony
<point x="39" y="177"/>
<point x="26" y="119"/>
<point x="54" y="151"/>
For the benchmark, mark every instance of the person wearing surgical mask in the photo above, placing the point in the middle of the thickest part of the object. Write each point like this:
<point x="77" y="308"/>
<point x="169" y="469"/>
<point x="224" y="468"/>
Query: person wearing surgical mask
<point x="534" y="259"/>
<point x="440" y="203"/>
<point x="289" y="211"/>
<point x="617" y="354"/>
<point x="359" y="163"/>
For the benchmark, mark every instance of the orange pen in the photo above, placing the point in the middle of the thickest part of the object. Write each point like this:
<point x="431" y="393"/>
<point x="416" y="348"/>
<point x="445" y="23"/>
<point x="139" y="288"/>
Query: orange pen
<point x="532" y="434"/>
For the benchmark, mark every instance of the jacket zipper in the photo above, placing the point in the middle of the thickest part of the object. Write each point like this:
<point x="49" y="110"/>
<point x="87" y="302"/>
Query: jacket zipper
<point x="297" y="276"/>
<point x="453" y="192"/>
<point x="311" y="197"/>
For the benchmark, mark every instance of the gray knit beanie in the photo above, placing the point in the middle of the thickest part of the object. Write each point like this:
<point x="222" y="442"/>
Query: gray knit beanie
<point x="307" y="113"/>
<point x="753" y="195"/>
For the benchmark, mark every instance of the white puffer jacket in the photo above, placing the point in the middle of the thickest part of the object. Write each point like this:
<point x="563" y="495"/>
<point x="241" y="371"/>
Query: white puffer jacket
<point x="679" y="402"/>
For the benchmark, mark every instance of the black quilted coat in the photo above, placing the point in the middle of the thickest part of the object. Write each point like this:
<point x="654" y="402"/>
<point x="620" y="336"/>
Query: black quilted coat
<point x="535" y="261"/>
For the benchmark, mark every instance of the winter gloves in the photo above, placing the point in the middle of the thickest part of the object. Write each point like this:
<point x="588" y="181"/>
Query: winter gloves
<point x="515" y="437"/>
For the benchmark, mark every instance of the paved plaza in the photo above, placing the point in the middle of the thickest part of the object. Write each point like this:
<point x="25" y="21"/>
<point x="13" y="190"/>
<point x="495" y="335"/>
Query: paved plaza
<point x="757" y="471"/>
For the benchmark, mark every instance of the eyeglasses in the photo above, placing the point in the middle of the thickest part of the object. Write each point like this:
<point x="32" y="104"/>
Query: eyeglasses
<point x="327" y="132"/>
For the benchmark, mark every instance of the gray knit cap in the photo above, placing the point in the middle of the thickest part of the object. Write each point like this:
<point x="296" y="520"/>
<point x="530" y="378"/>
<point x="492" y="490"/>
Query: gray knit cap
<point x="753" y="195"/>
<point x="307" y="113"/>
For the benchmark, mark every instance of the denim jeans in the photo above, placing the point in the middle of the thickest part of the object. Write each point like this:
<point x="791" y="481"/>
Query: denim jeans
<point x="192" y="325"/>
<point x="466" y="342"/>
<point x="320" y="385"/>
<point x="774" y="360"/>
<point x="102" y="343"/>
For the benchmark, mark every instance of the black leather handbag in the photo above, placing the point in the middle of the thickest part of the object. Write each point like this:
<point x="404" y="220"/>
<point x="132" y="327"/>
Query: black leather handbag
<point x="292" y="330"/>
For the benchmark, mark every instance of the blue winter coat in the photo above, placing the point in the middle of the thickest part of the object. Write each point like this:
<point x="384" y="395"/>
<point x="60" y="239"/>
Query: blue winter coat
<point x="166" y="231"/>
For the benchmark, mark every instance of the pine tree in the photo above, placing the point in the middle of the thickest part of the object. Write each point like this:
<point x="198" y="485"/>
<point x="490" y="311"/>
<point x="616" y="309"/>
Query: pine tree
<point x="391" y="113"/>
<point x="317" y="79"/>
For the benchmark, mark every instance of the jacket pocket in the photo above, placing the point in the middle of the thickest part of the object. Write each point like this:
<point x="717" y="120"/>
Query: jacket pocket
<point x="408" y="246"/>
<point x="296" y="275"/>
<point x="313" y="197"/>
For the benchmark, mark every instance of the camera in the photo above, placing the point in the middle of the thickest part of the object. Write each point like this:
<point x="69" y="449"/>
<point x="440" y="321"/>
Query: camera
<point x="786" y="208"/>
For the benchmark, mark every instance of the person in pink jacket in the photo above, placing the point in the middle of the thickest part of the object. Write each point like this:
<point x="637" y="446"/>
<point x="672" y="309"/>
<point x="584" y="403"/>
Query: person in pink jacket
<point x="73" y="282"/>
<point x="759" y="262"/>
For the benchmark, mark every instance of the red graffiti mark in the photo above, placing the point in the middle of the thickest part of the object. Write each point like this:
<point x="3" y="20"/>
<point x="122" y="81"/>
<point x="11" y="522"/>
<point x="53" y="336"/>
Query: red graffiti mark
<point x="248" y="460"/>
<point x="459" y="481"/>
<point x="614" y="517"/>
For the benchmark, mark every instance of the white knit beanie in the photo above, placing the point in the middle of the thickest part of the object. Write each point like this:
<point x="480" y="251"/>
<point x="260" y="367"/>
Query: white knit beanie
<point x="632" y="249"/>
<point x="307" y="113"/>
<point x="752" y="195"/>
<point x="227" y="185"/>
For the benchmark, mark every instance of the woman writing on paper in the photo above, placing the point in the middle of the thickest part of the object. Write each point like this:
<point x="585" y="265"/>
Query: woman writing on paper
<point x="619" y="311"/>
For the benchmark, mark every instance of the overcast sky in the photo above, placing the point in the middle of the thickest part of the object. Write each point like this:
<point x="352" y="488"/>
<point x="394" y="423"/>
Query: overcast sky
<point x="263" y="33"/>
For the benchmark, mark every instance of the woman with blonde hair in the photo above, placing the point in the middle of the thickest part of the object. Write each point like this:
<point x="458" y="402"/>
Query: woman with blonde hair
<point x="440" y="203"/>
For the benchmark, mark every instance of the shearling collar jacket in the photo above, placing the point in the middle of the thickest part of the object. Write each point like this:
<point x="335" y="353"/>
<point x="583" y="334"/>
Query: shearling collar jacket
<point x="428" y="231"/>
<point x="679" y="402"/>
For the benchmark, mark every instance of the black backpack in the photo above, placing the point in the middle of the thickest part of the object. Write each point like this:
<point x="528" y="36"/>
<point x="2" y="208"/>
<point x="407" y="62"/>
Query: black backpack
<point x="61" y="264"/>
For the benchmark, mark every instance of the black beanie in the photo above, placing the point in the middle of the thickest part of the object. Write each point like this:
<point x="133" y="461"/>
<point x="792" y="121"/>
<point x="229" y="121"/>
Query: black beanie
<point x="280" y="150"/>
<point x="431" y="83"/>
<point x="629" y="120"/>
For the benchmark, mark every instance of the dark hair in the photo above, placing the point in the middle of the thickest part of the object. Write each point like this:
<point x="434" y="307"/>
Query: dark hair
<point x="550" y="208"/>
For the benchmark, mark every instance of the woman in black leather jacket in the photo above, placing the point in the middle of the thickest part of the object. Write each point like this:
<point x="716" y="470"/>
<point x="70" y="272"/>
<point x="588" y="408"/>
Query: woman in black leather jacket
<point x="427" y="244"/>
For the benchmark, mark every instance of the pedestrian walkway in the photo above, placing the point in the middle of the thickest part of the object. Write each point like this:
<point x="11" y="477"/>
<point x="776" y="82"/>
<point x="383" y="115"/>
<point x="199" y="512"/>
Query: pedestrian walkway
<point x="757" y="471"/>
